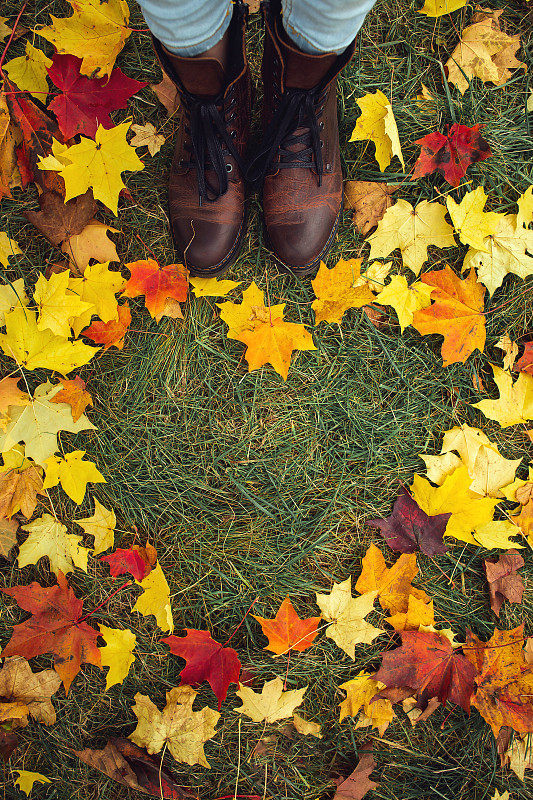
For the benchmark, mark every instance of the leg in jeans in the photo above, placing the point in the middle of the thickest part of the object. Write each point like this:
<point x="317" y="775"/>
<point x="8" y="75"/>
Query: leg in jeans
<point x="326" y="26"/>
<point x="187" y="27"/>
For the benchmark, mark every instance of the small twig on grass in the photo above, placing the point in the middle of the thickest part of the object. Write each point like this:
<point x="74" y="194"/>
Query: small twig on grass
<point x="240" y="623"/>
<point x="2" y="57"/>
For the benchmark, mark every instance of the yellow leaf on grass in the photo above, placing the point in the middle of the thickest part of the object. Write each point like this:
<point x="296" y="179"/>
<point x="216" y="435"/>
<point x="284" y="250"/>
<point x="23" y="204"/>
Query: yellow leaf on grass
<point x="405" y="299"/>
<point x="211" y="287"/>
<point x="97" y="287"/>
<point x="156" y="599"/>
<point x="510" y="351"/>
<point x="393" y="585"/>
<point x="34" y="349"/>
<point x="29" y="72"/>
<point x="18" y="684"/>
<point x="273" y="342"/>
<point x="338" y="289"/>
<point x="10" y="395"/>
<point x="347" y="616"/>
<point x="360" y="692"/>
<point x="271" y="704"/>
<point x="306" y="727"/>
<point x="504" y="253"/>
<point x="48" y="537"/>
<point x="117" y="654"/>
<point x="26" y="780"/>
<point x="178" y="727"/>
<point x="57" y="308"/>
<point x="97" y="164"/>
<point x="375" y="275"/>
<point x="497" y="535"/>
<point x="377" y="123"/>
<point x="11" y="296"/>
<point x="92" y="242"/>
<point x="418" y="613"/>
<point x="72" y="473"/>
<point x="101" y="525"/>
<point x="472" y="223"/>
<point x="8" y="248"/>
<point x="147" y="136"/>
<point x="4" y="29"/>
<point x="96" y="33"/>
<point x="411" y="230"/>
<point x="241" y="317"/>
<point x="525" y="202"/>
<point x="515" y="403"/>
<point x="437" y="8"/>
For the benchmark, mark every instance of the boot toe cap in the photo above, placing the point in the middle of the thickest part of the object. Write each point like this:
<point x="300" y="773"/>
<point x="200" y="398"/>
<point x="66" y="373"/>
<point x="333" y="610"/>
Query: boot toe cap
<point x="208" y="247"/>
<point x="301" y="245"/>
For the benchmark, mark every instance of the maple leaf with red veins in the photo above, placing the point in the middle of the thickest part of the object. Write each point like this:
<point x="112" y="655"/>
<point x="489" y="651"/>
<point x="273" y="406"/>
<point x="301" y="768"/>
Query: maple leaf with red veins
<point x="287" y="631"/>
<point x="85" y="102"/>
<point x="409" y="528"/>
<point x="157" y="284"/>
<point x="451" y="155"/>
<point x="207" y="660"/>
<point x="111" y="334"/>
<point x="428" y="663"/>
<point x="137" y="561"/>
<point x="53" y="628"/>
<point x="525" y="362"/>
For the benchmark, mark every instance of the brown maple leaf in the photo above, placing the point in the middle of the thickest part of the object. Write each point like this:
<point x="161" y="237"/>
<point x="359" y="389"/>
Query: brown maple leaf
<point x="19" y="490"/>
<point x="369" y="201"/>
<point x="58" y="220"/>
<point x="358" y="783"/>
<point x="503" y="579"/>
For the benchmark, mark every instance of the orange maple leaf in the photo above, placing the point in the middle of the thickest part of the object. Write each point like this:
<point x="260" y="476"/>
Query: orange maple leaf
<point x="157" y="284"/>
<point x="272" y="342"/>
<point x="111" y="334"/>
<point x="504" y="680"/>
<point x="287" y="631"/>
<point x="456" y="313"/>
<point x="393" y="584"/>
<point x="75" y="394"/>
<point x="19" y="490"/>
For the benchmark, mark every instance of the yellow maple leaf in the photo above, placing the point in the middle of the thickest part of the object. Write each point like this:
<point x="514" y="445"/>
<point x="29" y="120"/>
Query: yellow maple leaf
<point x="38" y="423"/>
<point x="211" y="287"/>
<point x="360" y="693"/>
<point x="338" y="289"/>
<point x="10" y="395"/>
<point x="347" y="616"/>
<point x="242" y="316"/>
<point x="8" y="248"/>
<point x="377" y="123"/>
<point x="510" y="350"/>
<point x="92" y="242"/>
<point x="156" y="599"/>
<point x="101" y="525"/>
<point x="469" y="510"/>
<point x="515" y="403"/>
<point x="4" y="29"/>
<point x="418" y="613"/>
<point x="117" y="654"/>
<point x="97" y="287"/>
<point x="405" y="299"/>
<point x="271" y="704"/>
<point x="12" y="295"/>
<point x="57" y="308"/>
<point x="472" y="223"/>
<point x="178" y="727"/>
<point x="72" y="473"/>
<point x="26" y="779"/>
<point x="437" y="8"/>
<point x="49" y="537"/>
<point x="497" y="535"/>
<point x="525" y="203"/>
<point x="29" y="72"/>
<point x="306" y="727"/>
<point x="96" y="33"/>
<point x="412" y="230"/>
<point x="392" y="585"/>
<point x="34" y="349"/>
<point x="374" y="277"/>
<point x="97" y="164"/>
<point x="504" y="253"/>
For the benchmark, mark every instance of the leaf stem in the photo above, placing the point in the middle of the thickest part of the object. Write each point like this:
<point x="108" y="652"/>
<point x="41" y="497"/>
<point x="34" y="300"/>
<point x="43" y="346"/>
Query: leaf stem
<point x="2" y="57"/>
<point x="240" y="623"/>
<point x="82" y="619"/>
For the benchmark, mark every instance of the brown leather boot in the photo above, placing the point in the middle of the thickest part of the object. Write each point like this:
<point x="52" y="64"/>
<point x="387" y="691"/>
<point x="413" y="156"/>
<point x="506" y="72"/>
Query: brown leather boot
<point x="207" y="193"/>
<point x="300" y="159"/>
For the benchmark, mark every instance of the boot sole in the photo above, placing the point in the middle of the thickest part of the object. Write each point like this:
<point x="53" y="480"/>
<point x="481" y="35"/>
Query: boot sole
<point x="222" y="266"/>
<point x="306" y="269"/>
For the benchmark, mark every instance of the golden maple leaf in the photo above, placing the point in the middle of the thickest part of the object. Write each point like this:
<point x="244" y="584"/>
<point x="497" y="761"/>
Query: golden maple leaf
<point x="392" y="585"/>
<point x="360" y="693"/>
<point x="347" y="616"/>
<point x="57" y="307"/>
<point x="117" y="654"/>
<point x="271" y="704"/>
<point x="29" y="72"/>
<point x="338" y="289"/>
<point x="515" y="403"/>
<point x="101" y="525"/>
<point x="377" y="123"/>
<point x="472" y="223"/>
<point x="156" y="599"/>
<point x="437" y="8"/>
<point x="73" y="473"/>
<point x="97" y="287"/>
<point x="405" y="299"/>
<point x="505" y="252"/>
<point x="8" y="248"/>
<point x="12" y="295"/>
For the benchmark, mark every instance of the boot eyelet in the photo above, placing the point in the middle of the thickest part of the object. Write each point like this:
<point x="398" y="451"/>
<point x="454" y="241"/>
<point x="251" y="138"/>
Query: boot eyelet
<point x="233" y="134"/>
<point x="321" y="143"/>
<point x="321" y="126"/>
<point x="229" y="167"/>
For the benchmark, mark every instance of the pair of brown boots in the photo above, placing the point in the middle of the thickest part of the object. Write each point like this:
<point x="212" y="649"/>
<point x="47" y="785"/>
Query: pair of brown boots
<point x="298" y="163"/>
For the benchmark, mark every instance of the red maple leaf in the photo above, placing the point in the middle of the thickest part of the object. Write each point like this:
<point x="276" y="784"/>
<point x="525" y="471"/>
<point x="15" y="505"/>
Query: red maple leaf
<point x="525" y="362"/>
<point x="207" y="660"/>
<point x="111" y="334"/>
<point x="137" y="561"/>
<point x="451" y="155"/>
<point x="157" y="284"/>
<point x="85" y="103"/>
<point x="428" y="663"/>
<point x="409" y="528"/>
<point x="55" y="627"/>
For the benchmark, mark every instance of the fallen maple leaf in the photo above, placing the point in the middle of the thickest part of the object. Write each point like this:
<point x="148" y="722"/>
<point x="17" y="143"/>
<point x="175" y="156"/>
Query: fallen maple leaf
<point x="451" y="154"/>
<point x="409" y="529"/>
<point x="96" y="33"/>
<point x="271" y="704"/>
<point x="369" y="201"/>
<point x="48" y="537"/>
<point x="503" y="678"/>
<point x="419" y="614"/>
<point x="429" y="664"/>
<point x="92" y="243"/>
<point x="4" y="29"/>
<point x="456" y="313"/>
<point x="287" y="631"/>
<point x="306" y="727"/>
<point x="97" y="286"/>
<point x="240" y="317"/>
<point x="525" y="362"/>
<point x="207" y="660"/>
<point x="505" y="253"/>
<point x="147" y="136"/>
<point x="117" y="654"/>
<point x="27" y="779"/>
<point x="10" y="395"/>
<point x="136" y="560"/>
<point x="504" y="581"/>
<point x="358" y="783"/>
<point x="474" y="225"/>
<point x="73" y="473"/>
<point x="437" y="8"/>
<point x="85" y="103"/>
<point x="101" y="525"/>
<point x="10" y="138"/>
<point x="510" y="351"/>
<point x="32" y="690"/>
<point x="412" y="230"/>
<point x="167" y="94"/>
<point x="377" y="123"/>
<point x="212" y="287"/>
<point x="360" y="694"/>
<point x="8" y="535"/>
<point x="19" y="490"/>
<point x="273" y="343"/>
<point x="29" y="72"/>
<point x="518" y="755"/>
<point x="156" y="284"/>
<point x="58" y="220"/>
<point x="347" y="616"/>
<point x="405" y="299"/>
<point x="181" y="729"/>
<point x="525" y="201"/>
<point x="111" y="334"/>
<point x="75" y="394"/>
<point x="8" y="248"/>
<point x="54" y="628"/>
<point x="515" y="403"/>
<point x="156" y="599"/>
<point x="58" y="308"/>
<point x="336" y="290"/>
<point x="392" y="585"/>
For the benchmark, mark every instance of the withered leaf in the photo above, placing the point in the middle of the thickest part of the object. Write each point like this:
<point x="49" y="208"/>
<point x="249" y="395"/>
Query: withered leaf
<point x="504" y="581"/>
<point x="58" y="220"/>
<point x="369" y="201"/>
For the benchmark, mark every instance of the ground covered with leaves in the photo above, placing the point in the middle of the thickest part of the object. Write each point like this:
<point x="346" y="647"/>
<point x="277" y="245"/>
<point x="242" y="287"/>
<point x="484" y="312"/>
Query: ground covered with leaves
<point x="251" y="487"/>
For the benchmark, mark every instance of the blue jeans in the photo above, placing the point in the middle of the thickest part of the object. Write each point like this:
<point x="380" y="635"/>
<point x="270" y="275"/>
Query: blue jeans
<point x="189" y="27"/>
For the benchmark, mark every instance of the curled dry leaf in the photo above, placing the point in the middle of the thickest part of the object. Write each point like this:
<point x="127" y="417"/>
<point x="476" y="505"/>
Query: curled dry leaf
<point x="369" y="201"/>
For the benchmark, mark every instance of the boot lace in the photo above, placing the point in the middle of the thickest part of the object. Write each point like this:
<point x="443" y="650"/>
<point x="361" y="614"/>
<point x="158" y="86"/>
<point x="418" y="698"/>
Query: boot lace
<point x="298" y="109"/>
<point x="210" y="142"/>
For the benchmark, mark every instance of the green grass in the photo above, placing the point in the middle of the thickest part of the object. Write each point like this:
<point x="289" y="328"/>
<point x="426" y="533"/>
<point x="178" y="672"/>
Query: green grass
<point x="250" y="487"/>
